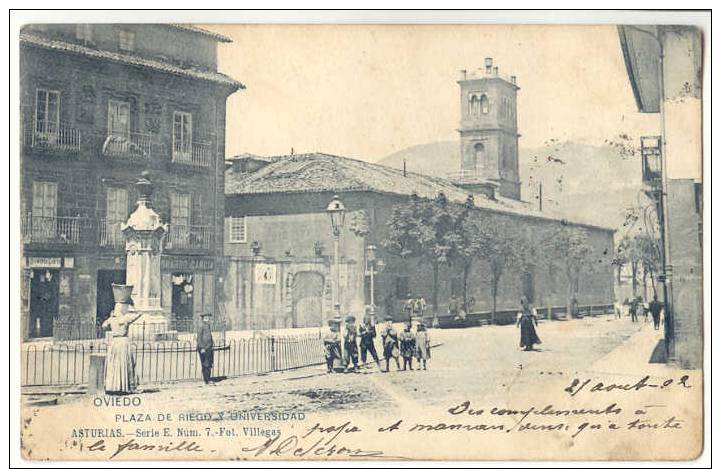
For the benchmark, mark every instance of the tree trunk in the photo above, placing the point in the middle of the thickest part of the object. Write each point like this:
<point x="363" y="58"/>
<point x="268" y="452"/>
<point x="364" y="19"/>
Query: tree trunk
<point x="645" y="284"/>
<point x="634" y="279"/>
<point x="569" y="299"/>
<point x="466" y="273"/>
<point x="435" y="289"/>
<point x="494" y="294"/>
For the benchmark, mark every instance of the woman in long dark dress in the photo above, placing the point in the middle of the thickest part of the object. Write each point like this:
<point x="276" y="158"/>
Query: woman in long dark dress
<point x="528" y="320"/>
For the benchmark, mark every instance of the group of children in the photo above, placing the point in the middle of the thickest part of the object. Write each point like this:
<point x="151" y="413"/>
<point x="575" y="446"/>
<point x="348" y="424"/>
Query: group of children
<point x="407" y="344"/>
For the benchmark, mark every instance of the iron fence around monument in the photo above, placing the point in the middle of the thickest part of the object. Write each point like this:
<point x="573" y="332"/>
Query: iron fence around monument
<point x="74" y="329"/>
<point x="66" y="364"/>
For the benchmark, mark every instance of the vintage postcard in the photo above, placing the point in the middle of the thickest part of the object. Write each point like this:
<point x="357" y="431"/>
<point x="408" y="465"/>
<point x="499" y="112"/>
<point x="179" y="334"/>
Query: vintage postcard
<point x="389" y="242"/>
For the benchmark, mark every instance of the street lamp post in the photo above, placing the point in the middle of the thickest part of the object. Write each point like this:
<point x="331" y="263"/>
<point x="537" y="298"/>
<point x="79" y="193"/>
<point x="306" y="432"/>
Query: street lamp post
<point x="373" y="264"/>
<point x="336" y="213"/>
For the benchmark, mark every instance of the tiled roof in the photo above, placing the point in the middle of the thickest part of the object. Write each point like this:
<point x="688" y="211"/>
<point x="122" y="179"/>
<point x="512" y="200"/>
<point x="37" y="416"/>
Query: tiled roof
<point x="201" y="31"/>
<point x="128" y="59"/>
<point x="320" y="172"/>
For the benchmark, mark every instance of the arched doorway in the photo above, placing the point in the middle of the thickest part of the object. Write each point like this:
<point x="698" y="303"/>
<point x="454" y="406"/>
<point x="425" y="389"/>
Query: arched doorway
<point x="307" y="288"/>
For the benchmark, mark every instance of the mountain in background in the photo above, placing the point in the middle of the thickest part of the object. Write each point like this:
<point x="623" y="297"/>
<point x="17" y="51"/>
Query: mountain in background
<point x="581" y="182"/>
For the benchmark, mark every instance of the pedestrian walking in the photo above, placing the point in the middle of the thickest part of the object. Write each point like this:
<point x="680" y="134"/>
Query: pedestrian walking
<point x="350" y="342"/>
<point x="120" y="376"/>
<point x="527" y="321"/>
<point x="367" y="332"/>
<point x="423" y="345"/>
<point x="331" y="344"/>
<point x="633" y="309"/>
<point x="656" y="306"/>
<point x="204" y="346"/>
<point x="389" y="337"/>
<point x="618" y="309"/>
<point x="408" y="346"/>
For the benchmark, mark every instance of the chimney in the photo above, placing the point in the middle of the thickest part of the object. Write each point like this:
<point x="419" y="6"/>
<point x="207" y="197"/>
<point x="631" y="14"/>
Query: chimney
<point x="513" y="79"/>
<point x="463" y="74"/>
<point x="495" y="71"/>
<point x="489" y="64"/>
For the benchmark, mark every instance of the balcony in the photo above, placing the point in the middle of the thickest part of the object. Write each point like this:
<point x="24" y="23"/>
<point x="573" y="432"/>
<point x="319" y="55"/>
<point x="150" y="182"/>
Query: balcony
<point x="198" y="154"/>
<point x="54" y="230"/>
<point x="63" y="139"/>
<point x="109" y="234"/>
<point x="651" y="160"/>
<point x="190" y="237"/>
<point x="131" y="145"/>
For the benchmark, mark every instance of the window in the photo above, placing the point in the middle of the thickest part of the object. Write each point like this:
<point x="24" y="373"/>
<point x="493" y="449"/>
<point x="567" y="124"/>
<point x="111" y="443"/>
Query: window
<point x="84" y="32"/>
<point x="479" y="151"/>
<point x="117" y="205"/>
<point x="180" y="209"/>
<point x="473" y="105"/>
<point x="47" y="111"/>
<point x="182" y="133"/>
<point x="116" y="213"/>
<point x="118" y="118"/>
<point x="484" y="104"/>
<point x="238" y="229"/>
<point x="126" y="40"/>
<point x="45" y="199"/>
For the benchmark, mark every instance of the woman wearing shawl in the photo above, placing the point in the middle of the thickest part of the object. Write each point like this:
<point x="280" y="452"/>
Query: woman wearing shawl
<point x="528" y="320"/>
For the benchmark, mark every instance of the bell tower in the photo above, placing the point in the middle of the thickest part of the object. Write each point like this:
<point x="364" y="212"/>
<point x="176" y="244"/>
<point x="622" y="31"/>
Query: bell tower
<point x="489" y="131"/>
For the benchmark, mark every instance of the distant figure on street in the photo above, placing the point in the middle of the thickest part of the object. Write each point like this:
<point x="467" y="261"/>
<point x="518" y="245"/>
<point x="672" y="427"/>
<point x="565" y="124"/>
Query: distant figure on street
<point x="453" y="307"/>
<point x="618" y="308"/>
<point x="644" y="309"/>
<point x="367" y="332"/>
<point x="408" y="347"/>
<point x="633" y="309"/>
<point x="656" y="306"/>
<point x="389" y="337"/>
<point x="331" y="344"/>
<point x="528" y="320"/>
<point x="205" y="348"/>
<point x="423" y="345"/>
<point x="350" y="342"/>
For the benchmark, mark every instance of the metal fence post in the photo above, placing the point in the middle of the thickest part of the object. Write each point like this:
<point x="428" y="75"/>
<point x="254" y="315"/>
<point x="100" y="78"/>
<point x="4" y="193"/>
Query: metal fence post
<point x="272" y="354"/>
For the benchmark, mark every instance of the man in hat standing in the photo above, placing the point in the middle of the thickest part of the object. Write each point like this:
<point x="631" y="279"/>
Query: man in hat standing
<point x="367" y="331"/>
<point x="350" y="342"/>
<point x="389" y="337"/>
<point x="205" y="347"/>
<point x="408" y="346"/>
<point x="331" y="343"/>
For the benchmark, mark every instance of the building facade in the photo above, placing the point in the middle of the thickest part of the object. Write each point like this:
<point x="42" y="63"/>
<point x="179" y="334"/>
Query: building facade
<point x="665" y="69"/>
<point x="280" y="206"/>
<point x="101" y="105"/>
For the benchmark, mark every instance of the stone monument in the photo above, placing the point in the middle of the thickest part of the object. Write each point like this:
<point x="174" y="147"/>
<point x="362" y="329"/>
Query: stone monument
<point x="144" y="234"/>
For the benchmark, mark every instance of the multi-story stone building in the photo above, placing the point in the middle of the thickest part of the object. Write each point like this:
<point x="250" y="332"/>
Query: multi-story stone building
<point x="100" y="105"/>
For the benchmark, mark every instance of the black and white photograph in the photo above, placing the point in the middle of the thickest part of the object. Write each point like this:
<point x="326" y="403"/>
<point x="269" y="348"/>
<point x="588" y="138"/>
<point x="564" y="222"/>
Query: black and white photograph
<point x="357" y="237"/>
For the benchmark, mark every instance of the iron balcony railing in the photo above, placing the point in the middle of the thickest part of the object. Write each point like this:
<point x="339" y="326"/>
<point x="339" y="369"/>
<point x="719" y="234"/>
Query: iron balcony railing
<point x="56" y="230"/>
<point x="190" y="237"/>
<point x="62" y="139"/>
<point x="198" y="154"/>
<point x="109" y="234"/>
<point x="130" y="145"/>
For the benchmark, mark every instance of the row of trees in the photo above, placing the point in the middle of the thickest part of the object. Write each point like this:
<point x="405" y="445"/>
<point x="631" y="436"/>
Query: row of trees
<point x="444" y="234"/>
<point x="641" y="253"/>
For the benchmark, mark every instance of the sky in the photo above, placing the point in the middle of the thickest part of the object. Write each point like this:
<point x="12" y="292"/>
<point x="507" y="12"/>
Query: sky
<point x="366" y="91"/>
